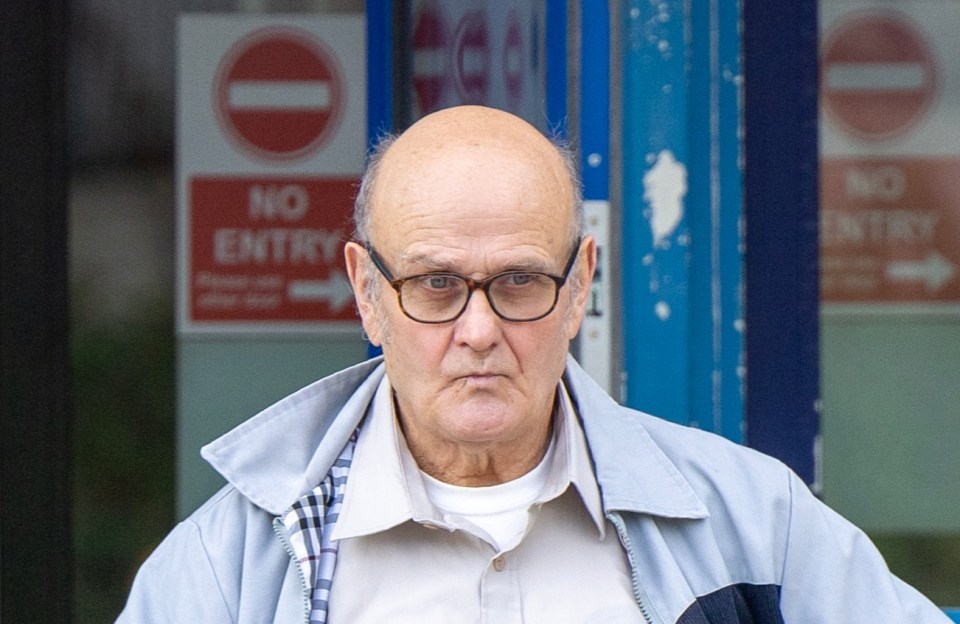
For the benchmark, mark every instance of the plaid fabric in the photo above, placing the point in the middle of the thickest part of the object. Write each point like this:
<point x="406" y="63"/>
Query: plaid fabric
<point x="309" y="523"/>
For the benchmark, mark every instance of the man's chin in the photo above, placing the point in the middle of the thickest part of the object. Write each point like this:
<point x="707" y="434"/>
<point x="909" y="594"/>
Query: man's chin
<point x="484" y="421"/>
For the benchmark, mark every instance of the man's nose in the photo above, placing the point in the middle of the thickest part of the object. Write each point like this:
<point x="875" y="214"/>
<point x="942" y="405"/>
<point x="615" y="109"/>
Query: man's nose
<point x="479" y="325"/>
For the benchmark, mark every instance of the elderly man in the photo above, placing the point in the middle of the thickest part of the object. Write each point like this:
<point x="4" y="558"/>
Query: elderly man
<point x="476" y="474"/>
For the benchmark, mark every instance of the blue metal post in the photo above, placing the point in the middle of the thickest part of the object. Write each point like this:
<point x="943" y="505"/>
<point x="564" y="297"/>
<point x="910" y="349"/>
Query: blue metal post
<point x="714" y="210"/>
<point x="728" y="334"/>
<point x="379" y="69"/>
<point x="782" y="251"/>
<point x="380" y="86"/>
<point x="595" y="98"/>
<point x="596" y="346"/>
<point x="682" y="247"/>
<point x="556" y="44"/>
<point x="655" y="239"/>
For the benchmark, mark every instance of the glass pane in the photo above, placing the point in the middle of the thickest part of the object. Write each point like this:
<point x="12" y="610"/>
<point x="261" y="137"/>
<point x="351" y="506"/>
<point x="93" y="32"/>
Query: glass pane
<point x="451" y="45"/>
<point x="890" y="280"/>
<point x="121" y="60"/>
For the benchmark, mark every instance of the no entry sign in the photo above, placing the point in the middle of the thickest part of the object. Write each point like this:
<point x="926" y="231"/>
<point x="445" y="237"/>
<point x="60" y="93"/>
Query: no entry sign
<point x="880" y="75"/>
<point x="890" y="159"/>
<point x="271" y="138"/>
<point x="279" y="93"/>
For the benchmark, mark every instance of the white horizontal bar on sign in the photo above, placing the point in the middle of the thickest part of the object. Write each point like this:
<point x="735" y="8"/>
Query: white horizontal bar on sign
<point x="298" y="94"/>
<point x="308" y="290"/>
<point x="473" y="61"/>
<point x="514" y="61"/>
<point x="876" y="76"/>
<point x="335" y="291"/>
<point x="429" y="62"/>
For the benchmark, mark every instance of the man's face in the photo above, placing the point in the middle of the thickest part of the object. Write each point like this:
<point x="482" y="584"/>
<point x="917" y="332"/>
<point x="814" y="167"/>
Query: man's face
<point x="476" y="210"/>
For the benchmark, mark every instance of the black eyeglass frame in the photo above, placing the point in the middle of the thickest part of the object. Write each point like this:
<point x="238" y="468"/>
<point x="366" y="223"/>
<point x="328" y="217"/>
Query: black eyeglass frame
<point x="473" y="285"/>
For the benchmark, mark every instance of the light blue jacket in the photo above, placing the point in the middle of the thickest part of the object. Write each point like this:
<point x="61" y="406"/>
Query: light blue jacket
<point x="715" y="532"/>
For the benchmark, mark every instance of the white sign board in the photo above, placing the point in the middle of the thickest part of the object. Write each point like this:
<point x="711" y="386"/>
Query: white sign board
<point x="271" y="136"/>
<point x="890" y="162"/>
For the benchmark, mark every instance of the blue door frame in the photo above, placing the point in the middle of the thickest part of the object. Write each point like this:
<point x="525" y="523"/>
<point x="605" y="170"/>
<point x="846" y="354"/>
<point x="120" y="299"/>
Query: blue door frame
<point x="781" y="203"/>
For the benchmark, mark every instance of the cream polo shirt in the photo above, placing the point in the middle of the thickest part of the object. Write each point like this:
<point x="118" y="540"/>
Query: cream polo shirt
<point x="401" y="559"/>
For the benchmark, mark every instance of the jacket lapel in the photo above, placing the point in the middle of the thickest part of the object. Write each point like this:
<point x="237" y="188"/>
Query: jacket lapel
<point x="311" y="427"/>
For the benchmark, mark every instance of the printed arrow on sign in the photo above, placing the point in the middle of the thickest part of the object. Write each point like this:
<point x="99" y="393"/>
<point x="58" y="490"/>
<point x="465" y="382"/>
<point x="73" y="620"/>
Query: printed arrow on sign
<point x="335" y="291"/>
<point x="935" y="271"/>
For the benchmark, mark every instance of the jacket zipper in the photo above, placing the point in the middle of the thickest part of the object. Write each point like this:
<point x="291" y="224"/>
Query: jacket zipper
<point x="281" y="532"/>
<point x="638" y="592"/>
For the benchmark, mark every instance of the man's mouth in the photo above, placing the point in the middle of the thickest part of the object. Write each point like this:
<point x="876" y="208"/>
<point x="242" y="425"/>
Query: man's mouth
<point x="479" y="378"/>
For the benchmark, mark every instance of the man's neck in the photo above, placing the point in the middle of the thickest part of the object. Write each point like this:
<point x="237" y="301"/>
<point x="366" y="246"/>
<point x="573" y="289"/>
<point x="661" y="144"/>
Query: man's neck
<point x="477" y="465"/>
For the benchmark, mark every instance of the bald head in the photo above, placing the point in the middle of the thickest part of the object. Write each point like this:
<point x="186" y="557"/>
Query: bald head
<point x="472" y="199"/>
<point x="462" y="141"/>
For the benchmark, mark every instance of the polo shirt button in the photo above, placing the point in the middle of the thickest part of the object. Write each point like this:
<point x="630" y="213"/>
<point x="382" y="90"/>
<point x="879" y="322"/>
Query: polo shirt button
<point x="499" y="563"/>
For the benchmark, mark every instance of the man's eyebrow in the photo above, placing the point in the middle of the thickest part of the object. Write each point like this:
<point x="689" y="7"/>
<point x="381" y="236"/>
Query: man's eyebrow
<point x="534" y="265"/>
<point x="429" y="263"/>
<point x="434" y="264"/>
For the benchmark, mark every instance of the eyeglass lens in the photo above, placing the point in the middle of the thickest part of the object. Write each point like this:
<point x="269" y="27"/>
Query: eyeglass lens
<point x="514" y="296"/>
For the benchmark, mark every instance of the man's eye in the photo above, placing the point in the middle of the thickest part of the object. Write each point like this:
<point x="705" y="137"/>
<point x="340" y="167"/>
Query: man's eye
<point x="439" y="282"/>
<point x="520" y="279"/>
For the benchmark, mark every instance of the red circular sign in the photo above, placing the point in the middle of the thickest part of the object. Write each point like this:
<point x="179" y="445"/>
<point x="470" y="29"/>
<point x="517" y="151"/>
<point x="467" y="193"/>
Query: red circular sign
<point x="279" y="93"/>
<point x="513" y="59"/>
<point x="878" y="74"/>
<point x="431" y="51"/>
<point x="471" y="49"/>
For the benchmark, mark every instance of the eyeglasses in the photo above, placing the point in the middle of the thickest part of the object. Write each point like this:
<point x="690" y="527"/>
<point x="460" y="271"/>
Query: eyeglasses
<point x="442" y="297"/>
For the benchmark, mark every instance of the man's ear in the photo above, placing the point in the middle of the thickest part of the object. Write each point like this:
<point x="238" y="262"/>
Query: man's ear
<point x="584" y="269"/>
<point x="355" y="256"/>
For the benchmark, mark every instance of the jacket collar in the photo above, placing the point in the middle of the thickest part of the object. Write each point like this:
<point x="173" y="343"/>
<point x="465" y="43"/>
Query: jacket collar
<point x="633" y="472"/>
<point x="282" y="453"/>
